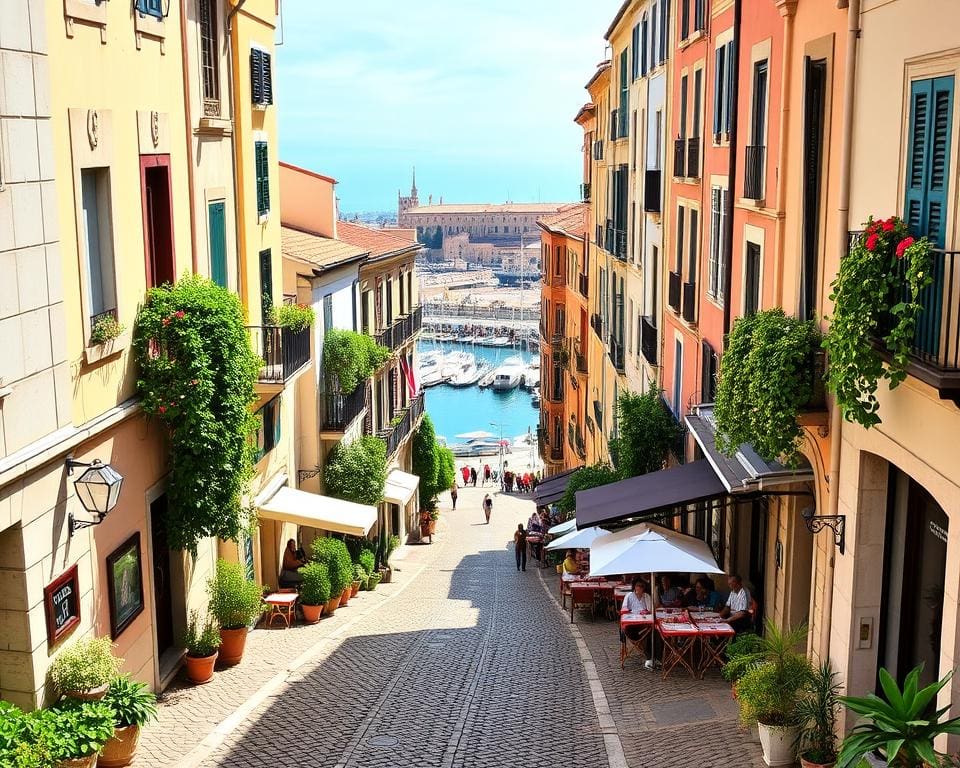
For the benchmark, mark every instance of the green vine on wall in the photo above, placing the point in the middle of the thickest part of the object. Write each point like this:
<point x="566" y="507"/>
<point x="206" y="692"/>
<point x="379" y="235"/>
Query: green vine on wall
<point x="197" y="375"/>
<point x="766" y="378"/>
<point x="583" y="479"/>
<point x="350" y="357"/>
<point x="357" y="471"/>
<point x="645" y="432"/>
<point x="875" y="297"/>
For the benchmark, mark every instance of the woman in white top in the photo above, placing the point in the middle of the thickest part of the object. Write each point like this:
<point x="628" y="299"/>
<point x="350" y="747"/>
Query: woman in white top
<point x="638" y="601"/>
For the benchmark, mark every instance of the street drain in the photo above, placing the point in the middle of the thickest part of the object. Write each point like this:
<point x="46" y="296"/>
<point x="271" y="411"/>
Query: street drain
<point x="383" y="741"/>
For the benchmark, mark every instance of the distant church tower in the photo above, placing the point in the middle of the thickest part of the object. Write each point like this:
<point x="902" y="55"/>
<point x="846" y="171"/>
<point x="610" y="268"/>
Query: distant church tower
<point x="404" y="204"/>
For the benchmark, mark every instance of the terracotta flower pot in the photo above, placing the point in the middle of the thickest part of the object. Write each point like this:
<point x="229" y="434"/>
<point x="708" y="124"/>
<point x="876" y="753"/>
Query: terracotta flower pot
<point x="200" y="668"/>
<point x="345" y="596"/>
<point x="311" y="613"/>
<point x="232" y="643"/>
<point x="809" y="764"/>
<point x="78" y="762"/>
<point x="331" y="605"/>
<point x="119" y="751"/>
<point x="354" y="588"/>
<point x="386" y="574"/>
<point x="88" y="694"/>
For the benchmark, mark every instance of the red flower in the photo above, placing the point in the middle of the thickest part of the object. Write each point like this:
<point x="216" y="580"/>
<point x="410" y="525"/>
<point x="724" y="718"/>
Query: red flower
<point x="179" y="314"/>
<point x="903" y="245"/>
<point x="888" y="225"/>
<point x="162" y="410"/>
<point x="166" y="321"/>
<point x="872" y="242"/>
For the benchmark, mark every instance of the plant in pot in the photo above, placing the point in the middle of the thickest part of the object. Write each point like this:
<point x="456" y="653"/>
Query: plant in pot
<point x="236" y="602"/>
<point x="359" y="577"/>
<point x="770" y="683"/>
<point x="133" y="705"/>
<point x="84" y="669"/>
<point x="817" y="718"/>
<point x="333" y="553"/>
<point x="367" y="561"/>
<point x="386" y="572"/>
<point x="74" y="731"/>
<point x="434" y="516"/>
<point x="901" y="725"/>
<point x="314" y="590"/>
<point x="202" y="641"/>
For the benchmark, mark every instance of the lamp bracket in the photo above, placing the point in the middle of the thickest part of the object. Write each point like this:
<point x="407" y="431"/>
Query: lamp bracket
<point x="78" y="525"/>
<point x="836" y="523"/>
<point x="72" y="464"/>
<point x="306" y="474"/>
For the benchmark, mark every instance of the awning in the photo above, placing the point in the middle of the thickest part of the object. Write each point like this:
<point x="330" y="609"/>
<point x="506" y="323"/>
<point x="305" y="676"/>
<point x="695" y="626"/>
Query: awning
<point x="317" y="511"/>
<point x="746" y="471"/>
<point x="400" y="487"/>
<point x="551" y="489"/>
<point x="646" y="494"/>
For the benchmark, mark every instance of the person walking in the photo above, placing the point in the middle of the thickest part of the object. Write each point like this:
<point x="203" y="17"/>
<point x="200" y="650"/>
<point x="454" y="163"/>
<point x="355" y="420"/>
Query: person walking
<point x="453" y="493"/>
<point x="473" y="476"/>
<point x="486" y="474"/>
<point x="520" y="547"/>
<point x="487" y="507"/>
<point x="464" y="470"/>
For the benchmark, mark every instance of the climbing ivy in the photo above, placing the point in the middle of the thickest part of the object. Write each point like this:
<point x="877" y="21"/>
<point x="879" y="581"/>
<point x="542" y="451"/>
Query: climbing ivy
<point x="357" y="471"/>
<point x="350" y="357"/>
<point x="645" y="432"/>
<point x="584" y="478"/>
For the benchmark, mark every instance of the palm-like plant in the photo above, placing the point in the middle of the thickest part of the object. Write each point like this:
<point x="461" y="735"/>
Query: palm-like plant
<point x="899" y="725"/>
<point x="817" y="715"/>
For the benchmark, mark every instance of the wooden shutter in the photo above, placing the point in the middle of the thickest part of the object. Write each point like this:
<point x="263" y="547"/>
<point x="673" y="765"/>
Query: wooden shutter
<point x="261" y="161"/>
<point x="266" y="68"/>
<point x="277" y="421"/>
<point x="706" y="372"/>
<point x="697" y="96"/>
<point x="692" y="266"/>
<point x="643" y="45"/>
<point x="730" y="72"/>
<point x="684" y="19"/>
<point x="256" y="75"/>
<point x="266" y="283"/>
<point x="928" y="157"/>
<point x="717" y="90"/>
<point x="216" y="222"/>
<point x="654" y="37"/>
<point x="680" y="239"/>
<point x="683" y="108"/>
<point x="714" y="240"/>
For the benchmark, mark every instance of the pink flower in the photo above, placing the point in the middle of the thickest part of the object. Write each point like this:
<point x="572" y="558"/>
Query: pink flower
<point x="166" y="321"/>
<point x="872" y="242"/>
<point x="162" y="410"/>
<point x="903" y="245"/>
<point x="179" y="314"/>
<point x="888" y="225"/>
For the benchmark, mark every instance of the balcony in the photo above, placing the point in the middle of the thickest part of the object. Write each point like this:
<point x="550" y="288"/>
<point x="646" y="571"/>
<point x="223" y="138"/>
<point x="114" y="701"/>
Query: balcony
<point x="580" y="358"/>
<point x="753" y="173"/>
<point x="673" y="291"/>
<point x="651" y="190"/>
<point x="693" y="157"/>
<point x="585" y="192"/>
<point x="680" y="158"/>
<point x="596" y="322"/>
<point x="284" y="352"/>
<point x="340" y="410"/>
<point x="408" y="422"/>
<point x="583" y="284"/>
<point x="648" y="340"/>
<point x="556" y="448"/>
<point x="690" y="302"/>
<point x="401" y="331"/>
<point x="616" y="353"/>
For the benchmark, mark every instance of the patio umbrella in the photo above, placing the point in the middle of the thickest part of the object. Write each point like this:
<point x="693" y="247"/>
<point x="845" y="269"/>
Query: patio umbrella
<point x="648" y="548"/>
<point x="477" y="435"/>
<point x="577" y="539"/>
<point x="561" y="528"/>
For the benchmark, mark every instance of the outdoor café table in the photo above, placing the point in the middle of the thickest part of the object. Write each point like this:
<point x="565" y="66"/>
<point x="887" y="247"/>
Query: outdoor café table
<point x="583" y="593"/>
<point x="282" y="606"/>
<point x="644" y="621"/>
<point x="698" y="616"/>
<point x="606" y="597"/>
<point x="715" y="635"/>
<point x="669" y="613"/>
<point x="679" y="643"/>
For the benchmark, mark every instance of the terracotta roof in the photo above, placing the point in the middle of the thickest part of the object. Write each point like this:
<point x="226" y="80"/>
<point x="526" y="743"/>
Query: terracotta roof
<point x="378" y="242"/>
<point x="455" y="208"/>
<point x="602" y="67"/>
<point x="586" y="110"/>
<point x="570" y="220"/>
<point x="321" y="252"/>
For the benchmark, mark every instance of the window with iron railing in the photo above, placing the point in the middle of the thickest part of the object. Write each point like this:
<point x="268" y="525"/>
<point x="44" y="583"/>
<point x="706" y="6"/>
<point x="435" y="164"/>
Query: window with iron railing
<point x="209" y="58"/>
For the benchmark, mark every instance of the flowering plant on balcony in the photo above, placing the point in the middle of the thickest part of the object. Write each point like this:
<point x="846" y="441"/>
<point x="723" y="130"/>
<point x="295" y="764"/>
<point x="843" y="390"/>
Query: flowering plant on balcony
<point x="106" y="328"/>
<point x="875" y="296"/>
<point x="349" y="358"/>
<point x="293" y="317"/>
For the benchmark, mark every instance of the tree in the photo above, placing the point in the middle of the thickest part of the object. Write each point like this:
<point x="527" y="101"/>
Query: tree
<point x="584" y="478"/>
<point x="646" y="432"/>
<point x="425" y="464"/>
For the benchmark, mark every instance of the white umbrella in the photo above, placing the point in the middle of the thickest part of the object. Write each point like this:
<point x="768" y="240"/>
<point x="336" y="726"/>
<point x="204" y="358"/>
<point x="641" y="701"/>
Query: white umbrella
<point x="648" y="548"/>
<point x="478" y="435"/>
<point x="577" y="539"/>
<point x="561" y="528"/>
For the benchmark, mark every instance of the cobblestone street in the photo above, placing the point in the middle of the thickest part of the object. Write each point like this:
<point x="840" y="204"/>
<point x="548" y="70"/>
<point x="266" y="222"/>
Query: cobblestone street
<point x="461" y="661"/>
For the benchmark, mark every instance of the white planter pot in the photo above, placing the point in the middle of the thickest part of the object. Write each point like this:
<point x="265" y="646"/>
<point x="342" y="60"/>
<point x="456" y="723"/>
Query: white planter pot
<point x="779" y="744"/>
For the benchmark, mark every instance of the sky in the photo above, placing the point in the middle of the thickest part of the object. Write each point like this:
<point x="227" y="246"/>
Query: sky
<point x="479" y="95"/>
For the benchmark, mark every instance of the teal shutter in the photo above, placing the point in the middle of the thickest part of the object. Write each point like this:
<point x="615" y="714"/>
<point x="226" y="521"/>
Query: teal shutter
<point x="216" y="223"/>
<point x="928" y="157"/>
<point x="731" y="73"/>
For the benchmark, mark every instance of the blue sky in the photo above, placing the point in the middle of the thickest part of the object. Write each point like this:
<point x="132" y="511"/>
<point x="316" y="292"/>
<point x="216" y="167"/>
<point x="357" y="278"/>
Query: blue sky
<point x="480" y="95"/>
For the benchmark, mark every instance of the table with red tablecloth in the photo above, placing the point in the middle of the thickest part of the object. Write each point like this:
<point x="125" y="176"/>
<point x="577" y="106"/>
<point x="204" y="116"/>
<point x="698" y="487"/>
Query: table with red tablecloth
<point x="643" y="623"/>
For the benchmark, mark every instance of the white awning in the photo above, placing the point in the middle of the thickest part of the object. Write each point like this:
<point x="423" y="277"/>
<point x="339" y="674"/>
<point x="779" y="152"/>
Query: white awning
<point x="316" y="511"/>
<point x="400" y="487"/>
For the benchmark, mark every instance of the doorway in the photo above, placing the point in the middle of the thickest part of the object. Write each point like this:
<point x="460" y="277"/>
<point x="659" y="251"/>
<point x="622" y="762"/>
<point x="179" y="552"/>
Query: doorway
<point x="162" y="576"/>
<point x="157" y="219"/>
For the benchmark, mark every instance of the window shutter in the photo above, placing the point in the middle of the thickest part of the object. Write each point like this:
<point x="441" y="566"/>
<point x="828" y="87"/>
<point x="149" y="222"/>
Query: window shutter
<point x="216" y="221"/>
<point x="714" y="241"/>
<point x="653" y="36"/>
<point x="731" y="70"/>
<point x="692" y="266"/>
<point x="256" y="75"/>
<point x="266" y="283"/>
<point x="664" y="29"/>
<point x="706" y="358"/>
<point x="643" y="46"/>
<point x="277" y="421"/>
<point x="266" y="65"/>
<point x="684" y="19"/>
<point x="680" y="239"/>
<point x="717" y="89"/>
<point x="722" y="247"/>
<point x="920" y="93"/>
<point x="683" y="107"/>
<point x="928" y="157"/>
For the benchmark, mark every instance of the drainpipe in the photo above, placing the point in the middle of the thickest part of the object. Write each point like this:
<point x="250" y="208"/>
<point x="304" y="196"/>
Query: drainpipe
<point x="787" y="10"/>
<point x="732" y="174"/>
<point x="188" y="129"/>
<point x="843" y="226"/>
<point x="241" y="241"/>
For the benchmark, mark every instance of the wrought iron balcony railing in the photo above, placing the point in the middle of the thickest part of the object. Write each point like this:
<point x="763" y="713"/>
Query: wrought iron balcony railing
<point x="284" y="351"/>
<point x="753" y="172"/>
<point x="402" y="330"/>
<point x="616" y="353"/>
<point x="673" y="291"/>
<point x="340" y="410"/>
<point x="680" y="157"/>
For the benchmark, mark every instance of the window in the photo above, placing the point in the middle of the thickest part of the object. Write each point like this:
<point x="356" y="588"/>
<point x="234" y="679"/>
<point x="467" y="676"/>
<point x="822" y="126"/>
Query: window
<point x="928" y="157"/>
<point x="635" y="52"/>
<point x="814" y="98"/>
<point x="217" y="233"/>
<point x="697" y="95"/>
<point x="644" y="42"/>
<point x="157" y="219"/>
<point x="758" y="124"/>
<point x="677" y="376"/>
<point x="716" y="266"/>
<point x="624" y="110"/>
<point x="557" y="265"/>
<point x="751" y="283"/>
<point x="723" y="75"/>
<point x="699" y="15"/>
<point x="266" y="284"/>
<point x="694" y="243"/>
<point x="365" y="301"/>
<point x="150" y="8"/>
<point x="708" y="382"/>
<point x="683" y="107"/>
<point x="261" y="161"/>
<point x="98" y="240"/>
<point x="261" y="77"/>
<point x="680" y="240"/>
<point x="653" y="35"/>
<point x="267" y="429"/>
<point x="684" y="19"/>
<point x="209" y="57"/>
<point x="664" y="29"/>
<point x="327" y="312"/>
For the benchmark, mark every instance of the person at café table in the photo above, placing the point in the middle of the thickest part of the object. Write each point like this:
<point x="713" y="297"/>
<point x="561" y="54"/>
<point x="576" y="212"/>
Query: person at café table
<point x="570" y="565"/>
<point x="293" y="559"/>
<point x="737" y="609"/>
<point x="533" y="524"/>
<point x="703" y="596"/>
<point x="669" y="595"/>
<point x="638" y="600"/>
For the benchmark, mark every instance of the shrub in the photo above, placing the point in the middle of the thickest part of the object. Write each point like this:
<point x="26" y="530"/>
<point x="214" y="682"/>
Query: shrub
<point x="584" y="478"/>
<point x="359" y="573"/>
<point x="197" y="374"/>
<point x="367" y="561"/>
<point x="105" y="329"/>
<point x="315" y="588"/>
<point x="645" y="432"/>
<point x="131" y="702"/>
<point x="333" y="553"/>
<point x="357" y="472"/>
<point x="293" y="317"/>
<point x="817" y="716"/>
<point x="235" y="601"/>
<point x="349" y="358"/>
<point x="392" y="543"/>
<point x="87" y="663"/>
<point x="427" y="463"/>
<point x="201" y="639"/>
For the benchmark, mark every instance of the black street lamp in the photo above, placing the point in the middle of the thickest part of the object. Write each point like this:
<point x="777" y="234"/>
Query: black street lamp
<point x="98" y="489"/>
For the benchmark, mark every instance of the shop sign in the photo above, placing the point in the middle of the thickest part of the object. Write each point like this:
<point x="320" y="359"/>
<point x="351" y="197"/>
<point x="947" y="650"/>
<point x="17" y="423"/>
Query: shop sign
<point x="61" y="598"/>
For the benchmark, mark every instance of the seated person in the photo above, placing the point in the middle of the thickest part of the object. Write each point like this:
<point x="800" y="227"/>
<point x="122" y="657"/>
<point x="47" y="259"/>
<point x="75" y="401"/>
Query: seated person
<point x="293" y="559"/>
<point x="737" y="609"/>
<point x="638" y="600"/>
<point x="534" y="525"/>
<point x="570" y="565"/>
<point x="703" y="596"/>
<point x="669" y="595"/>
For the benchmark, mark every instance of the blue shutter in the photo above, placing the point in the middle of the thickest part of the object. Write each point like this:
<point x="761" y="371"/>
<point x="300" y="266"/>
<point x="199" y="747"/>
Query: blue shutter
<point x="256" y="75"/>
<point x="717" y="89"/>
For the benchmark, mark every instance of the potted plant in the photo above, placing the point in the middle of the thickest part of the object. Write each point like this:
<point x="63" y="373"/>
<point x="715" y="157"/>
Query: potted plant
<point x="314" y="590"/>
<point x="386" y="572"/>
<point x="133" y="705"/>
<point x="74" y="731"/>
<point x="359" y="576"/>
<point x="817" y="718"/>
<point x="105" y="329"/>
<point x="84" y="669"/>
<point x="236" y="602"/>
<point x="901" y="725"/>
<point x="334" y="554"/>
<point x="367" y="561"/>
<point x="201" y="642"/>
<point x="434" y="516"/>
<point x="769" y="684"/>
<point x="373" y="580"/>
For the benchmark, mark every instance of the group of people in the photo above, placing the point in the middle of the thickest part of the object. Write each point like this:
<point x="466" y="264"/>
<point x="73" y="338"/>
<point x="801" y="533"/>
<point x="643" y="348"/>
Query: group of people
<point x="509" y="481"/>
<point x="524" y="483"/>
<point x="701" y="595"/>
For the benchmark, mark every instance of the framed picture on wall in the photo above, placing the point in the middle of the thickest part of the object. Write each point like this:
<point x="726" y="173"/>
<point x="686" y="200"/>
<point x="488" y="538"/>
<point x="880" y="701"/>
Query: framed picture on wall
<point x="124" y="585"/>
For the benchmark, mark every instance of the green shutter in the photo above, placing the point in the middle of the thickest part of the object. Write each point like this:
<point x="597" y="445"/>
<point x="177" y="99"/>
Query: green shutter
<point x="262" y="168"/>
<point x="266" y="284"/>
<point x="717" y="89"/>
<point x="216" y="223"/>
<point x="256" y="75"/>
<point x="266" y="76"/>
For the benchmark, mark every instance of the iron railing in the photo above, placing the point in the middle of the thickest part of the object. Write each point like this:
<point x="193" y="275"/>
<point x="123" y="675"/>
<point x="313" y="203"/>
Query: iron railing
<point x="620" y="243"/>
<point x="94" y="319"/>
<point x="616" y="352"/>
<point x="680" y="158"/>
<point x="284" y="352"/>
<point x="693" y="157"/>
<point x="651" y="190"/>
<point x="673" y="291"/>
<point x="402" y="330"/>
<point x="690" y="302"/>
<point x="753" y="172"/>
<point x="648" y="339"/>
<point x="398" y="433"/>
<point x="340" y="410"/>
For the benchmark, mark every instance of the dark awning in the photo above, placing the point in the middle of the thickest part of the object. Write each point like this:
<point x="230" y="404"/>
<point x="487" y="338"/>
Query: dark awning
<point x="551" y="489"/>
<point x="646" y="494"/>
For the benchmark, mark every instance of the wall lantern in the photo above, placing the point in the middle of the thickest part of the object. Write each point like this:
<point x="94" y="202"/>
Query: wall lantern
<point x="98" y="489"/>
<point x="836" y="523"/>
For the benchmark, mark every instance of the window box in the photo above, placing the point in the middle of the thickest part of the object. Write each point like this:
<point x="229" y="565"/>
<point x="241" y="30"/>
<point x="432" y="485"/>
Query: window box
<point x="98" y="352"/>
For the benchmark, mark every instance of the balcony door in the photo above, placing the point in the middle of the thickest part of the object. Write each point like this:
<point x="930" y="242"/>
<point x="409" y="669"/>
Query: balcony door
<point x="157" y="219"/>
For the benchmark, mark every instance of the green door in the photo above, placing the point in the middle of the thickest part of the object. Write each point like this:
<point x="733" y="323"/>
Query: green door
<point x="217" y="225"/>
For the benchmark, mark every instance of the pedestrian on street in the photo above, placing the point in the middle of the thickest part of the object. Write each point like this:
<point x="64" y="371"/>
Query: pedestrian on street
<point x="453" y="493"/>
<point x="520" y="547"/>
<point x="473" y="476"/>
<point x="486" y="474"/>
<point x="487" y="507"/>
<point x="466" y="475"/>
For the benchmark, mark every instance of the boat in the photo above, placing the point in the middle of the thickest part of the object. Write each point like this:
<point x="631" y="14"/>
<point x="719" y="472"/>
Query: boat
<point x="431" y="369"/>
<point x="487" y="378"/>
<point x="484" y="446"/>
<point x="535" y="400"/>
<point x="454" y="362"/>
<point x="469" y="374"/>
<point x="497" y="341"/>
<point x="508" y="375"/>
<point x="530" y="379"/>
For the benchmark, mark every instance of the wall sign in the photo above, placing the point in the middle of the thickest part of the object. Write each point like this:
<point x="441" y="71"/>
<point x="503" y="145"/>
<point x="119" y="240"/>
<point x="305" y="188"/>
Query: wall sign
<point x="61" y="598"/>
<point x="124" y="585"/>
